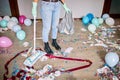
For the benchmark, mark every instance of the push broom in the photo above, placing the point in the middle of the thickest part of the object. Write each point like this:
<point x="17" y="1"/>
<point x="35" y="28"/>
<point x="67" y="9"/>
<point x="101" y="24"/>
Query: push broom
<point x="36" y="54"/>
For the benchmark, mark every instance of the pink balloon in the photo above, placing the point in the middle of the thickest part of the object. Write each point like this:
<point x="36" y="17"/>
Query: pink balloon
<point x="21" y="19"/>
<point x="5" y="42"/>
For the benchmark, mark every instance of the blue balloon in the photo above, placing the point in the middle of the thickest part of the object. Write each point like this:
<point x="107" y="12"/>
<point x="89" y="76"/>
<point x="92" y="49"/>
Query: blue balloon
<point x="3" y="23"/>
<point x="111" y="59"/>
<point x="85" y="20"/>
<point x="90" y="16"/>
<point x="21" y="35"/>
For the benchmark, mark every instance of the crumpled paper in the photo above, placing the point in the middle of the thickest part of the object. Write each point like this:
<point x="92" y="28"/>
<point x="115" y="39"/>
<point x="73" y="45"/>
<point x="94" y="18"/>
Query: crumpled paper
<point x="67" y="51"/>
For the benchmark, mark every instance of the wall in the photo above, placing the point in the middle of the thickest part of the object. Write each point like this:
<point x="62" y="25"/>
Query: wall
<point x="5" y="8"/>
<point x="78" y="7"/>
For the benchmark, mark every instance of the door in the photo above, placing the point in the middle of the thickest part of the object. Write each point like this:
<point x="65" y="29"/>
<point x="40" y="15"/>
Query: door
<point x="112" y="7"/>
<point x="5" y="8"/>
<point x="9" y="8"/>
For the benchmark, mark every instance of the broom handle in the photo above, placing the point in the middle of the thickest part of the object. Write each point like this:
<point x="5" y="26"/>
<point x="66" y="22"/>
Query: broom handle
<point x="34" y="35"/>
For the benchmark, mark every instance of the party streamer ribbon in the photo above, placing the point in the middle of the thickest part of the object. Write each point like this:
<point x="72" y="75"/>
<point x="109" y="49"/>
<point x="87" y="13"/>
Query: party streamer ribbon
<point x="72" y="59"/>
<point x="50" y="56"/>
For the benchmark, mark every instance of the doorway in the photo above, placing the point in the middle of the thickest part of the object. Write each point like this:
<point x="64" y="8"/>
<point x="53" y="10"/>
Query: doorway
<point x="112" y="7"/>
<point x="9" y="8"/>
<point x="5" y="8"/>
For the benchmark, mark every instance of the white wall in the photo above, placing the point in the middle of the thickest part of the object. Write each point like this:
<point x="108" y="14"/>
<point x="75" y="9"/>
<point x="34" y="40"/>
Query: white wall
<point x="79" y="8"/>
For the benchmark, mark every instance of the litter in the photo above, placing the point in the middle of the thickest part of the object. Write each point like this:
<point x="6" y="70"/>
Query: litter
<point x="67" y="51"/>
<point x="48" y="73"/>
<point x="25" y="44"/>
<point x="30" y="61"/>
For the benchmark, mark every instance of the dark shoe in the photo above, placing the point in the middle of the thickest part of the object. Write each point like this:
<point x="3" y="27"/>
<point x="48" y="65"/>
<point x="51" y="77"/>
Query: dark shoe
<point x="55" y="44"/>
<point x="47" y="48"/>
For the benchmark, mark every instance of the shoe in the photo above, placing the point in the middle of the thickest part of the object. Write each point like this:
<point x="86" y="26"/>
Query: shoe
<point x="47" y="48"/>
<point x="55" y="44"/>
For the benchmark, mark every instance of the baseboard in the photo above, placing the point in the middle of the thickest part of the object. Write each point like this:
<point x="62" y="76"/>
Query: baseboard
<point x="115" y="15"/>
<point x="60" y="19"/>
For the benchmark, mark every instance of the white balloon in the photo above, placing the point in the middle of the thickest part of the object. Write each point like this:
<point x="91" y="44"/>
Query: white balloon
<point x="105" y="16"/>
<point x="100" y="20"/>
<point x="14" y="19"/>
<point x="16" y="28"/>
<point x="27" y="22"/>
<point x="10" y="24"/>
<point x="110" y="21"/>
<point x="7" y="18"/>
<point x="111" y="58"/>
<point x="92" y="28"/>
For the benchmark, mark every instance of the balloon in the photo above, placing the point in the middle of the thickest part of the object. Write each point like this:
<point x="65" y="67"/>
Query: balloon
<point x="95" y="22"/>
<point x="21" y="35"/>
<point x="105" y="16"/>
<point x="85" y="20"/>
<point x="27" y="22"/>
<point x="7" y="18"/>
<point x="5" y="42"/>
<point x="3" y="23"/>
<point x="14" y="19"/>
<point x="111" y="58"/>
<point x="16" y="28"/>
<point x="21" y="19"/>
<point x="10" y="24"/>
<point x="90" y="16"/>
<point x="92" y="28"/>
<point x="110" y="21"/>
<point x="100" y="20"/>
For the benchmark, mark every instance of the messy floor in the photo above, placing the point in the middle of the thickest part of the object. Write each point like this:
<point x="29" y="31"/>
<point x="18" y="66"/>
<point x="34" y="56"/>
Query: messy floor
<point x="82" y="45"/>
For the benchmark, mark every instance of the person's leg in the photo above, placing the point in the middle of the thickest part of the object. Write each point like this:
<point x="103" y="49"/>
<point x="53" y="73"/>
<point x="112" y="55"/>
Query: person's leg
<point x="46" y="15"/>
<point x="55" y="22"/>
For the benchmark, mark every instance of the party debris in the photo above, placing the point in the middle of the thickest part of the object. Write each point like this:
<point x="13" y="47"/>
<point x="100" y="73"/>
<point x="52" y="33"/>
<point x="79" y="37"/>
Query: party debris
<point x="30" y="61"/>
<point x="95" y="38"/>
<point x="46" y="70"/>
<point x="44" y="58"/>
<point x="15" y="69"/>
<point x="26" y="44"/>
<point x="26" y="53"/>
<point x="4" y="51"/>
<point x="108" y="73"/>
<point x="67" y="51"/>
<point x="45" y="73"/>
<point x="49" y="77"/>
<point x="99" y="43"/>
<point x="83" y="29"/>
<point x="104" y="38"/>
